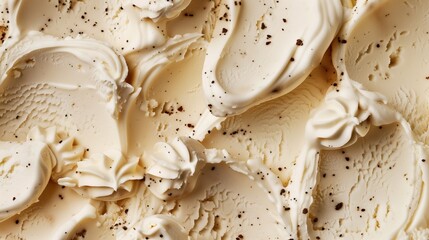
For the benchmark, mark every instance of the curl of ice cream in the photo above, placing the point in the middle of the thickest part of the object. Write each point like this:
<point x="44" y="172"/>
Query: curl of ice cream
<point x="75" y="84"/>
<point x="65" y="148"/>
<point x="115" y="22"/>
<point x="160" y="9"/>
<point x="174" y="167"/>
<point x="162" y="227"/>
<point x="25" y="170"/>
<point x="108" y="79"/>
<point x="346" y="114"/>
<point x="245" y="46"/>
<point x="389" y="57"/>
<point x="291" y="36"/>
<point x="69" y="228"/>
<point x="109" y="176"/>
<point x="228" y="188"/>
<point x="149" y="62"/>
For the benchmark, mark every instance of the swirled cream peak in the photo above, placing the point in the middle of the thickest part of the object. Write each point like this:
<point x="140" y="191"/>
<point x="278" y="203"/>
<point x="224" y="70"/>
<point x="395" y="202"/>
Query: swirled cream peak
<point x="262" y="49"/>
<point x="174" y="167"/>
<point x="66" y="149"/>
<point x="25" y="170"/>
<point x="346" y="114"/>
<point x="160" y="9"/>
<point x="108" y="176"/>
<point x="106" y="70"/>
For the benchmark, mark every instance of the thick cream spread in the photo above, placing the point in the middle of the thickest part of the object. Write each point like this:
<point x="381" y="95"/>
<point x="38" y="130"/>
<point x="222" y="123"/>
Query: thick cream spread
<point x="214" y="119"/>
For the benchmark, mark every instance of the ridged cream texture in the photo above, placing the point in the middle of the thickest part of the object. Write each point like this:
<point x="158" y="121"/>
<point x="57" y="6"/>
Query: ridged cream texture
<point x="214" y="119"/>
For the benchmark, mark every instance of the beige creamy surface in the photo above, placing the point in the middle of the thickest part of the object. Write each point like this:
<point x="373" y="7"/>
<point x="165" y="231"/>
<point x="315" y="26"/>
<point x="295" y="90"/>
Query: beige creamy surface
<point x="214" y="119"/>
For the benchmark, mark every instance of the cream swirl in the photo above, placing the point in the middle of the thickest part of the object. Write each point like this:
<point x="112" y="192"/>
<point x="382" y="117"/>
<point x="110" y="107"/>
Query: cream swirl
<point x="405" y="73"/>
<point x="69" y="228"/>
<point x="108" y="78"/>
<point x="148" y="63"/>
<point x="66" y="149"/>
<point x="25" y="170"/>
<point x="174" y="168"/>
<point x="347" y="114"/>
<point x="161" y="9"/>
<point x="291" y="36"/>
<point x="24" y="16"/>
<point x="162" y="227"/>
<point x="109" y="176"/>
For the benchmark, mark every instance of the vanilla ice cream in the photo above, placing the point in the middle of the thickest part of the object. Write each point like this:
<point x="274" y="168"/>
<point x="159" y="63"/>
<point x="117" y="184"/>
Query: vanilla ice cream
<point x="214" y="119"/>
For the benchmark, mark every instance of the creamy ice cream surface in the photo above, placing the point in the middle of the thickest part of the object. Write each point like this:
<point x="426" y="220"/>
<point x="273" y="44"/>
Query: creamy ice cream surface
<point x="214" y="119"/>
